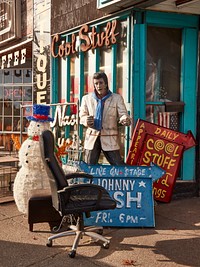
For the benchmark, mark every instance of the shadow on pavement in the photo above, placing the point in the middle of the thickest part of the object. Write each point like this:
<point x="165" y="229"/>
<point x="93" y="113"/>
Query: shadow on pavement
<point x="15" y="254"/>
<point x="180" y="251"/>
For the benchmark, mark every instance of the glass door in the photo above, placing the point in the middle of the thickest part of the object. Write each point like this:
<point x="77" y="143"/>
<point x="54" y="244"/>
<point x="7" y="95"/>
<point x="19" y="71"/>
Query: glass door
<point x="163" y="68"/>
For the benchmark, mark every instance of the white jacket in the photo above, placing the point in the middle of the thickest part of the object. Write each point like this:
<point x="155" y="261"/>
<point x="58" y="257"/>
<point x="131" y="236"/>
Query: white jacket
<point x="114" y="110"/>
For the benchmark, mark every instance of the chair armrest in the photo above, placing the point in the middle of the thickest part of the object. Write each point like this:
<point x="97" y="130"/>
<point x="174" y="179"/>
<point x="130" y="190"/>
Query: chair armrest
<point x="69" y="176"/>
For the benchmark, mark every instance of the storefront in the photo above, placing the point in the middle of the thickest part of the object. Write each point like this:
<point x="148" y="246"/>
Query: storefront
<point x="16" y="90"/>
<point x="15" y="71"/>
<point x="150" y="58"/>
<point x="24" y="65"/>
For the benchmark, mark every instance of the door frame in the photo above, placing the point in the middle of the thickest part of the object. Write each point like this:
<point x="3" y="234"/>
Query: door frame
<point x="188" y="76"/>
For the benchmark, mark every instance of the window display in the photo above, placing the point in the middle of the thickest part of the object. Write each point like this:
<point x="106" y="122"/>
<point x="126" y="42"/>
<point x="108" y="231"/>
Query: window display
<point x="15" y="90"/>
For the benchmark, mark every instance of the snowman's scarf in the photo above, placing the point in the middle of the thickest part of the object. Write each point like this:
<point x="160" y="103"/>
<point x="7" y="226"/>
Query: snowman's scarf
<point x="34" y="138"/>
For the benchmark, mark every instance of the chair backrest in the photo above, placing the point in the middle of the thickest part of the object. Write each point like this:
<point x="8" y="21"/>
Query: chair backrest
<point x="54" y="170"/>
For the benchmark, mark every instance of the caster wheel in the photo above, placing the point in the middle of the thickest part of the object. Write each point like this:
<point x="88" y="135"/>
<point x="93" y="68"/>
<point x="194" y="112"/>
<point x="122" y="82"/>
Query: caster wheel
<point x="49" y="243"/>
<point x="72" y="254"/>
<point x="100" y="231"/>
<point x="106" y="245"/>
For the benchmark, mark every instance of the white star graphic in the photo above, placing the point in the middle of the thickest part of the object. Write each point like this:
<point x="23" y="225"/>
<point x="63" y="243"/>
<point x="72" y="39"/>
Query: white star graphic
<point x="142" y="184"/>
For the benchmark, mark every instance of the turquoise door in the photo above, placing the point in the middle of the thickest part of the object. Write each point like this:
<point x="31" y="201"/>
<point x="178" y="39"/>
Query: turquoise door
<point x="165" y="72"/>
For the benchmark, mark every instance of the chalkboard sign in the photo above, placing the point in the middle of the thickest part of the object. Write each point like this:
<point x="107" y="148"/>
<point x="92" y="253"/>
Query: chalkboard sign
<point x="131" y="187"/>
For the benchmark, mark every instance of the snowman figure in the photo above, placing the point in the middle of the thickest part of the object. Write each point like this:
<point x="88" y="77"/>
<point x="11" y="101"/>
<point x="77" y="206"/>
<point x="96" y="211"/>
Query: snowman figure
<point x="32" y="174"/>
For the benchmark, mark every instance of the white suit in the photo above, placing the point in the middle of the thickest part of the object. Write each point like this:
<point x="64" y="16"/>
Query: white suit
<point x="114" y="110"/>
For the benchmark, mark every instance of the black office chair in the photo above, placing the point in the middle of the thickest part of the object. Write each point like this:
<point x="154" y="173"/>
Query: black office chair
<point x="75" y="199"/>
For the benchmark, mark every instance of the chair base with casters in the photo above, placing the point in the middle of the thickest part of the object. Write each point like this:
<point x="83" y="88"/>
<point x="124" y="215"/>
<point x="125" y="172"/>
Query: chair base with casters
<point x="40" y="209"/>
<point x="74" y="199"/>
<point x="95" y="232"/>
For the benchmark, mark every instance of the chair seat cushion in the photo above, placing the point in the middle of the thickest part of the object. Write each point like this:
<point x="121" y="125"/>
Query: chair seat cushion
<point x="86" y="198"/>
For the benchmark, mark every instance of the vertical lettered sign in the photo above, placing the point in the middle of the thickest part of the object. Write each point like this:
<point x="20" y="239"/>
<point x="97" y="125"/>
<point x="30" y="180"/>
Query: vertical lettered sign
<point x="41" y="51"/>
<point x="162" y="146"/>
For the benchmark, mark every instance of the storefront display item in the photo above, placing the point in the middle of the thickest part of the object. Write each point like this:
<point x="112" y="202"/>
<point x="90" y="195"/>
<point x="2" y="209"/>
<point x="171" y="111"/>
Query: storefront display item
<point x="32" y="175"/>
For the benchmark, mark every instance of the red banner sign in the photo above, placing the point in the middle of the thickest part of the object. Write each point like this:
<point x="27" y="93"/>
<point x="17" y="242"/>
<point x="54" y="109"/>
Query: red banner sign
<point x="164" y="147"/>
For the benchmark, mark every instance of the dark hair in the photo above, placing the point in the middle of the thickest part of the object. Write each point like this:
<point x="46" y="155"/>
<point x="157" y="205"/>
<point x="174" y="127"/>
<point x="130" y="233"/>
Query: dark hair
<point x="99" y="75"/>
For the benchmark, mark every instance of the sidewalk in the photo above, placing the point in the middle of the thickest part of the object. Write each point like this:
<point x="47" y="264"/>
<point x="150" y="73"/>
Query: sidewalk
<point x="175" y="241"/>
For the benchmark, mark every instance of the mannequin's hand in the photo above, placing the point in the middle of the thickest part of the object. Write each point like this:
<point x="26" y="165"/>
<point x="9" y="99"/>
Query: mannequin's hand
<point x="125" y="122"/>
<point x="90" y="121"/>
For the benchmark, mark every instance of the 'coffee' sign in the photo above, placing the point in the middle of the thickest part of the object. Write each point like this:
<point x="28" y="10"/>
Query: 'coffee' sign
<point x="13" y="59"/>
<point x="164" y="147"/>
<point x="88" y="39"/>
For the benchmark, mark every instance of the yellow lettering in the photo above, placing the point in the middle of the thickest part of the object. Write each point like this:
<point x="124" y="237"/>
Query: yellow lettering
<point x="166" y="162"/>
<point x="171" y="163"/>
<point x="163" y="194"/>
<point x="163" y="133"/>
<point x="175" y="150"/>
<point x="148" y="144"/>
<point x="142" y="126"/>
<point x="175" y="136"/>
<point x="165" y="180"/>
<point x="157" y="131"/>
<point x="146" y="158"/>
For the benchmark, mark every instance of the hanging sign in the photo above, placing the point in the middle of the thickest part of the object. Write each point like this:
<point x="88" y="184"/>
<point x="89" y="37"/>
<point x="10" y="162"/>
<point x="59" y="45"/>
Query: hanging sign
<point x="10" y="20"/>
<point x="131" y="187"/>
<point x="164" y="147"/>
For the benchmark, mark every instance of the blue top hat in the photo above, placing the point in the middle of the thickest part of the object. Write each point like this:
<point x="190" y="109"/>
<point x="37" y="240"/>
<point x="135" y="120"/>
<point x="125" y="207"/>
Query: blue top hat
<point x="40" y="113"/>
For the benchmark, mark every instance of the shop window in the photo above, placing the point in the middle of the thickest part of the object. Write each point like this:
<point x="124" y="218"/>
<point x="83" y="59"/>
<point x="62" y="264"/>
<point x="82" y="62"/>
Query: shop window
<point x="106" y="62"/>
<point x="122" y="57"/>
<point x="16" y="124"/>
<point x="80" y="67"/>
<point x="8" y="108"/>
<point x="18" y="93"/>
<point x="7" y="76"/>
<point x="163" y="73"/>
<point x="75" y="79"/>
<point x="1" y="92"/>
<point x="27" y="93"/>
<point x="1" y="76"/>
<point x="15" y="90"/>
<point x="8" y="93"/>
<point x="89" y="69"/>
<point x="1" y="124"/>
<point x="7" y="123"/>
<point x="63" y="84"/>
<point x="27" y="74"/>
<point x="16" y="106"/>
<point x="17" y="75"/>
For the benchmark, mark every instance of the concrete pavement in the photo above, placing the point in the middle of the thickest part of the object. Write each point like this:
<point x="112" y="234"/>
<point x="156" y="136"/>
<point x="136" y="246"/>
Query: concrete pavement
<point x="175" y="241"/>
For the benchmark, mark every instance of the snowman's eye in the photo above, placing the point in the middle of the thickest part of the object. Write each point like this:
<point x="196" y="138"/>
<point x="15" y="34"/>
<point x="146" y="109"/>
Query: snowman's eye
<point x="38" y="125"/>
